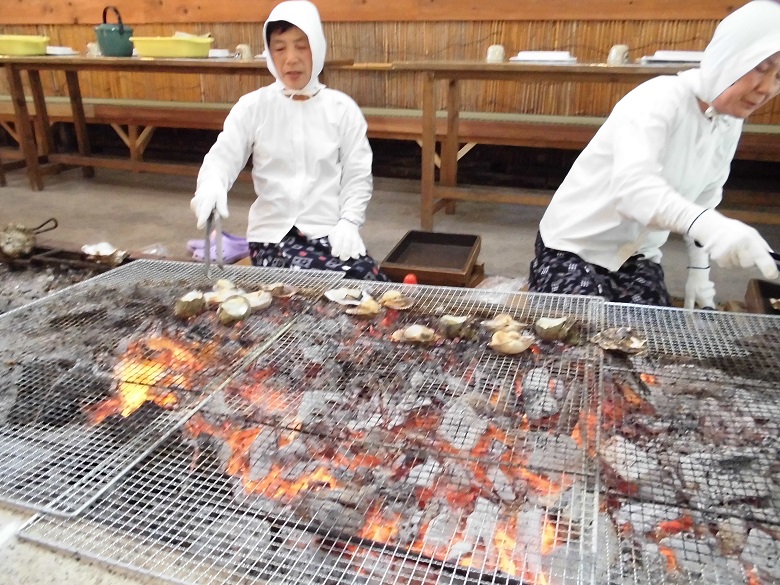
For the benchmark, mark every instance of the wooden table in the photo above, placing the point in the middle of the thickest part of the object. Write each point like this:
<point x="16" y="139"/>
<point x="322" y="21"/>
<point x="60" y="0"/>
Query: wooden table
<point x="436" y="196"/>
<point x="71" y="66"/>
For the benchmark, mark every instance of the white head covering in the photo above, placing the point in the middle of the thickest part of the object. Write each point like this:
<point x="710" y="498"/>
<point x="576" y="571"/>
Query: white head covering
<point x="306" y="17"/>
<point x="741" y="41"/>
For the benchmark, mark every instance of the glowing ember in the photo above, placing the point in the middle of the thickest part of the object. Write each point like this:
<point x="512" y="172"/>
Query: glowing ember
<point x="150" y="371"/>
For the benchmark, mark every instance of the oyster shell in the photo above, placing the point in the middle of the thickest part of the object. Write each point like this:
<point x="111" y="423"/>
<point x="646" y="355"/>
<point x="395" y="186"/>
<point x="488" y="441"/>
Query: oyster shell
<point x="190" y="305"/>
<point x="233" y="309"/>
<point x="503" y="322"/>
<point x="510" y="342"/>
<point x="395" y="299"/>
<point x="624" y="339"/>
<point x="222" y="290"/>
<point x="414" y="334"/>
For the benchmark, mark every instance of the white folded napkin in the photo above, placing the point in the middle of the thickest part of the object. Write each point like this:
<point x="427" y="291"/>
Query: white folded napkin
<point x="673" y="57"/>
<point x="55" y="50"/>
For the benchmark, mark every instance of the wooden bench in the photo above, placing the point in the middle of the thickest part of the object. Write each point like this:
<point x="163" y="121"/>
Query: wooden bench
<point x="136" y="120"/>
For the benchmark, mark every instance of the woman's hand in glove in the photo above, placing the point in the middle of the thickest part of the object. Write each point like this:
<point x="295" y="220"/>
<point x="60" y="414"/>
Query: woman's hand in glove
<point x="205" y="201"/>
<point x="731" y="243"/>
<point x="345" y="241"/>
<point x="699" y="289"/>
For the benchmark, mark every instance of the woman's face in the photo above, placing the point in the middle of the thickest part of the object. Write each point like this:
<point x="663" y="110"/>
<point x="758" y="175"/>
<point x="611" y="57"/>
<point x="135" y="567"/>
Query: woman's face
<point x="752" y="90"/>
<point x="292" y="58"/>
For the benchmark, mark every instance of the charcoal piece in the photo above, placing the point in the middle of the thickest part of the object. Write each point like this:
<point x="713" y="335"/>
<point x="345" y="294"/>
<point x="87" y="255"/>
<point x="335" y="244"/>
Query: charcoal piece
<point x="727" y="476"/>
<point x="36" y="400"/>
<point x="327" y="515"/>
<point x="763" y="552"/>
<point x="125" y="428"/>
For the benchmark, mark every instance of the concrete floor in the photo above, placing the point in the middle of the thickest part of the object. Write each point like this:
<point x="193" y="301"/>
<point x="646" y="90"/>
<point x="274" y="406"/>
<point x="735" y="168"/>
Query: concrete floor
<point x="138" y="211"/>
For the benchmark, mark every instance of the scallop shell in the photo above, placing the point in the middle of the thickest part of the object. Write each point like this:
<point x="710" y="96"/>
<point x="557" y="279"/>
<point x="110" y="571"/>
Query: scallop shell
<point x="280" y="290"/>
<point x="233" y="309"/>
<point x="190" y="305"/>
<point x="394" y="299"/>
<point x="368" y="307"/>
<point x="344" y="296"/>
<point x="414" y="334"/>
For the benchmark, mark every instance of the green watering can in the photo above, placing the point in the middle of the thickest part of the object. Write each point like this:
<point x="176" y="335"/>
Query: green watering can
<point x="114" y="39"/>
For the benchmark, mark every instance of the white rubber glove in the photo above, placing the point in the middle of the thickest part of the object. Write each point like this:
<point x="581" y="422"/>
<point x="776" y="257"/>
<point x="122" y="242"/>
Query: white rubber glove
<point x="699" y="289"/>
<point x="205" y="201"/>
<point x="731" y="243"/>
<point x="345" y="241"/>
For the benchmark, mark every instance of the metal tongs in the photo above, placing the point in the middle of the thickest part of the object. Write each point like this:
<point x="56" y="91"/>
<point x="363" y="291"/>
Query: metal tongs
<point x="214" y="222"/>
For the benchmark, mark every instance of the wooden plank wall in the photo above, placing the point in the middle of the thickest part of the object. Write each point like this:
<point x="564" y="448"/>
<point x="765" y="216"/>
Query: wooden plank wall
<point x="372" y="32"/>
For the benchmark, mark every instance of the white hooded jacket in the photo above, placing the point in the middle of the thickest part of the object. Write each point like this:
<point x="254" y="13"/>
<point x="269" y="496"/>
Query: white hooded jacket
<point x="658" y="161"/>
<point x="311" y="160"/>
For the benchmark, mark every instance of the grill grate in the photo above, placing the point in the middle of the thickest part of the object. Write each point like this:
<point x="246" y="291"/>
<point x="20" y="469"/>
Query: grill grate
<point x="689" y="439"/>
<point x="337" y="456"/>
<point x="64" y="433"/>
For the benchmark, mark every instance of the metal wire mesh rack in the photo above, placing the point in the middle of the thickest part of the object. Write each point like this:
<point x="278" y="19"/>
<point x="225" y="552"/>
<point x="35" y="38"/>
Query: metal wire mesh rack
<point x="94" y="376"/>
<point x="340" y="456"/>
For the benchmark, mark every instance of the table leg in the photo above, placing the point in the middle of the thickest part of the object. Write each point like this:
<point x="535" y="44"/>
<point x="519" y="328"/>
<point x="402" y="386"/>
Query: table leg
<point x="450" y="144"/>
<point x="24" y="127"/>
<point x="79" y="120"/>
<point x="36" y="88"/>
<point x="428" y="153"/>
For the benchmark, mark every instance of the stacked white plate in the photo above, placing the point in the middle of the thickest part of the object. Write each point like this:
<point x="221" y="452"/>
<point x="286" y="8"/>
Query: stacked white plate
<point x="544" y="57"/>
<point x="673" y="57"/>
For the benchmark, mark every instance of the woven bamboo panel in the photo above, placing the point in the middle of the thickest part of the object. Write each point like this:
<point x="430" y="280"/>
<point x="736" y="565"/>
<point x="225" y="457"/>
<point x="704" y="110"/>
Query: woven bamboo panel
<point x="383" y="42"/>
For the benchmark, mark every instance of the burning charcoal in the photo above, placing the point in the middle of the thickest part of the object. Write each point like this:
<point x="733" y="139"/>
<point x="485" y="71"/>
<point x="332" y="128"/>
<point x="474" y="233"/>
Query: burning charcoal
<point x="732" y="535"/>
<point x="35" y="399"/>
<point x="409" y="529"/>
<point x="695" y="555"/>
<point x="568" y="560"/>
<point x="261" y="454"/>
<point x="763" y="552"/>
<point x="724" y="477"/>
<point x="640" y="563"/>
<point x="555" y="453"/>
<point x="440" y="532"/>
<point x="317" y="405"/>
<point x="629" y="460"/>
<point x="537" y="389"/>
<point x="461" y="426"/>
<point x="330" y="516"/>
<point x="480" y="529"/>
<point x="502" y="487"/>
<point x="424" y="475"/>
<point x="644" y="517"/>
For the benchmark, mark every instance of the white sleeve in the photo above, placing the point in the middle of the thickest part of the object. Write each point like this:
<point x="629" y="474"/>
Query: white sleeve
<point x="356" y="159"/>
<point x="229" y="154"/>
<point x="643" y="194"/>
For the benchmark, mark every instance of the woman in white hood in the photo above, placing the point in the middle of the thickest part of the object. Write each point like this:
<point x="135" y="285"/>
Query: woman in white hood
<point x="311" y="160"/>
<point x="658" y="165"/>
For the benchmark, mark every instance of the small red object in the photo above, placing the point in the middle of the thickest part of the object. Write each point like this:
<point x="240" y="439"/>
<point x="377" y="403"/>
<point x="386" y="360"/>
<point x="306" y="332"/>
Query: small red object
<point x="410" y="279"/>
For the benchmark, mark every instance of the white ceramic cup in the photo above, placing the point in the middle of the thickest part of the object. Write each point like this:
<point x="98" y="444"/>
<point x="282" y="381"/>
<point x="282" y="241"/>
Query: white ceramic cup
<point x="495" y="54"/>
<point x="618" y="55"/>
<point x="244" y="52"/>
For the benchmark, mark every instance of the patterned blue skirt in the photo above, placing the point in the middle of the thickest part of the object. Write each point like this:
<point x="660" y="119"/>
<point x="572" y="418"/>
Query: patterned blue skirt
<point x="638" y="280"/>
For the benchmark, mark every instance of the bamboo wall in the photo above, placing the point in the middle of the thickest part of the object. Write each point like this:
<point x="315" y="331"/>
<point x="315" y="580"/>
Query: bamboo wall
<point x="380" y="41"/>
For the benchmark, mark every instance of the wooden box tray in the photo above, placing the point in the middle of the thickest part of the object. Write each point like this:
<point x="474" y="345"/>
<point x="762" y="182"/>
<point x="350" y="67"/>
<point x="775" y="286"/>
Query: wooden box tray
<point x="435" y="258"/>
<point x="758" y="295"/>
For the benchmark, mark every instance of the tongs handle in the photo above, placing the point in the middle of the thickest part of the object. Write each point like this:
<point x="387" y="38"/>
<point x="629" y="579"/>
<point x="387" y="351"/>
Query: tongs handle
<point x="46" y="226"/>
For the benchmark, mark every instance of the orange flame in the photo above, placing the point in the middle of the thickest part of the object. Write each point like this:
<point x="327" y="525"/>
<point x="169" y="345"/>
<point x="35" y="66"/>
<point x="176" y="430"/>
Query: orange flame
<point x="671" y="559"/>
<point x="380" y="528"/>
<point x="142" y="379"/>
<point x="648" y="379"/>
